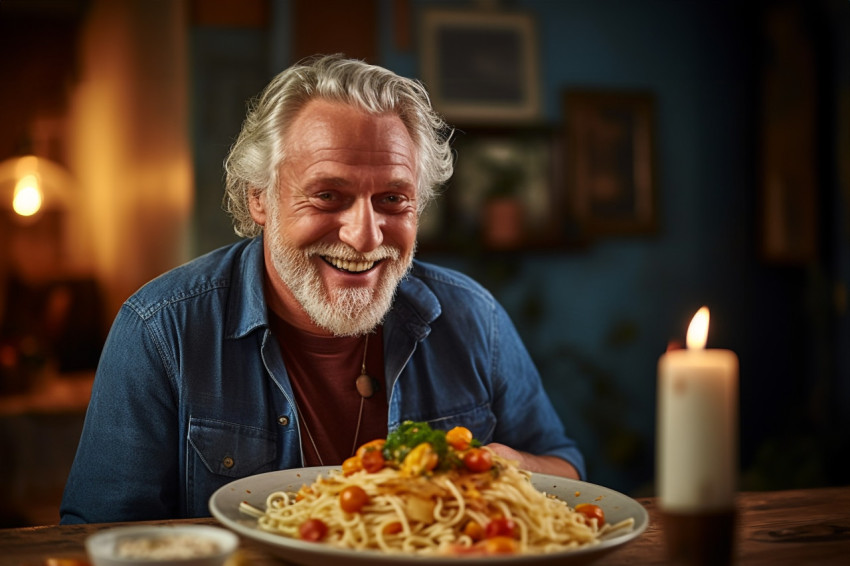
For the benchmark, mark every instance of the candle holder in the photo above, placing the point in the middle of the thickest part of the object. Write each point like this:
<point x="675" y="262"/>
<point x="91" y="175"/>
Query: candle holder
<point x="700" y="538"/>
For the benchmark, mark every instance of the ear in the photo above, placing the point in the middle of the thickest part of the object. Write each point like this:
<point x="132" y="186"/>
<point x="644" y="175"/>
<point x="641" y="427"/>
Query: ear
<point x="257" y="205"/>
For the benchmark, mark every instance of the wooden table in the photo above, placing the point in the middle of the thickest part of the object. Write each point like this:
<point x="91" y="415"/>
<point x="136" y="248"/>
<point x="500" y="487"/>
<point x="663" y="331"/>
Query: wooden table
<point x="799" y="527"/>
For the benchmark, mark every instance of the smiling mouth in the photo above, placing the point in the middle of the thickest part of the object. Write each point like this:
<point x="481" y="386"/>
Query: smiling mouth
<point x="349" y="266"/>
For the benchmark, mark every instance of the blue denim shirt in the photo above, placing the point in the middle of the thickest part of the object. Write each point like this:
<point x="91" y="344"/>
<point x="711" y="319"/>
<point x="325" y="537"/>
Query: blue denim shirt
<point x="191" y="392"/>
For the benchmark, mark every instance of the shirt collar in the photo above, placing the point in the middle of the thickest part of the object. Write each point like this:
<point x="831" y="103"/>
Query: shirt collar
<point x="415" y="305"/>
<point x="246" y="309"/>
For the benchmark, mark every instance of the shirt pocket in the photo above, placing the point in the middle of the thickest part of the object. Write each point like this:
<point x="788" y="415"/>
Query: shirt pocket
<point x="230" y="449"/>
<point x="480" y="420"/>
<point x="220" y="452"/>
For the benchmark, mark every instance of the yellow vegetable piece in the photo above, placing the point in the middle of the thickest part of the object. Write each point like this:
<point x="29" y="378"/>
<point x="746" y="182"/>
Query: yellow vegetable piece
<point x="421" y="459"/>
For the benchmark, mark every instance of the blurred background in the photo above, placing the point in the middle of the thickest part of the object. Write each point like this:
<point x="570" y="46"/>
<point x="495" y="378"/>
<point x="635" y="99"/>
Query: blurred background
<point x="619" y="165"/>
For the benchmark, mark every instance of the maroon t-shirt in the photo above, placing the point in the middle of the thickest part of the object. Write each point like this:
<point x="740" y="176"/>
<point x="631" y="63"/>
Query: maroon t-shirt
<point x="323" y="371"/>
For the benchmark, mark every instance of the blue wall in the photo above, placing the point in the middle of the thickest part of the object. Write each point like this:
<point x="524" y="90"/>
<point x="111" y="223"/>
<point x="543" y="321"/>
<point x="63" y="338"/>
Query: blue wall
<point x="597" y="319"/>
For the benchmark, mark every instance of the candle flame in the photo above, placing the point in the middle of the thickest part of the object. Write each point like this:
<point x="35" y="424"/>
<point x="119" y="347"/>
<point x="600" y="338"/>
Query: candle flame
<point x="698" y="330"/>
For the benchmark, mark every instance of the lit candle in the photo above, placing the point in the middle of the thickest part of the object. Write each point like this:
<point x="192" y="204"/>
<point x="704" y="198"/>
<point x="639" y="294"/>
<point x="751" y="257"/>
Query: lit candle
<point x="697" y="425"/>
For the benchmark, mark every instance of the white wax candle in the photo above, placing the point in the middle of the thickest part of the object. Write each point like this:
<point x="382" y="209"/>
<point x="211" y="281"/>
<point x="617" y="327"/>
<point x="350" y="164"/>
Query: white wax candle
<point x="697" y="428"/>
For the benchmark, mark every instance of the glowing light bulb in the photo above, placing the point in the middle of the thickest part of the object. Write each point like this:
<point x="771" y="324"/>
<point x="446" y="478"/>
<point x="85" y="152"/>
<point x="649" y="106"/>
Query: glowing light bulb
<point x="28" y="196"/>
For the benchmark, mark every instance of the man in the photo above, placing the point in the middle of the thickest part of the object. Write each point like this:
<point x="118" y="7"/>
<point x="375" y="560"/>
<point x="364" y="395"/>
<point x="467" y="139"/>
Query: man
<point x="319" y="331"/>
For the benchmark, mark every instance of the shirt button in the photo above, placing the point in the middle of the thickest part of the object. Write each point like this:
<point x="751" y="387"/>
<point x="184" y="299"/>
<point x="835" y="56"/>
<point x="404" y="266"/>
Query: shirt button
<point x="228" y="462"/>
<point x="283" y="420"/>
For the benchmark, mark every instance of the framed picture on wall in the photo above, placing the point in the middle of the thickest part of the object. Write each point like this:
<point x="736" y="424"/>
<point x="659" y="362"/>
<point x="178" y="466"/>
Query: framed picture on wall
<point x="481" y="66"/>
<point x="504" y="194"/>
<point x="788" y="207"/>
<point x="610" y="161"/>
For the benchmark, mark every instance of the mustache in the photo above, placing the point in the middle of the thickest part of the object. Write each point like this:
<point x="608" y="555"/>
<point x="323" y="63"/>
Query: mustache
<point x="346" y="252"/>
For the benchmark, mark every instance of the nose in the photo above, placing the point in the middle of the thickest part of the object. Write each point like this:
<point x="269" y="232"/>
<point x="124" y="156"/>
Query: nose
<point x="360" y="226"/>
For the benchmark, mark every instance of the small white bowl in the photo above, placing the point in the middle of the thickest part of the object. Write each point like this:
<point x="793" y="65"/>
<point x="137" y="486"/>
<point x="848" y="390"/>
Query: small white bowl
<point x="103" y="546"/>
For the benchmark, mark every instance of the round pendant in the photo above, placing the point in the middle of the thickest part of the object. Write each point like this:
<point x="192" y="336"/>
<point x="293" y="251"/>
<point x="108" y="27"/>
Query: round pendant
<point x="365" y="386"/>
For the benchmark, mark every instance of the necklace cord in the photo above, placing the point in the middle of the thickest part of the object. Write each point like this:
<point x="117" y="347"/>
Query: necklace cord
<point x="310" y="435"/>
<point x="362" y="399"/>
<point x="359" y="414"/>
<point x="365" y="349"/>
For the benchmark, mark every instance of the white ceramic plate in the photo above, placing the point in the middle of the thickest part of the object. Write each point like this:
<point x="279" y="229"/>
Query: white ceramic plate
<point x="224" y="505"/>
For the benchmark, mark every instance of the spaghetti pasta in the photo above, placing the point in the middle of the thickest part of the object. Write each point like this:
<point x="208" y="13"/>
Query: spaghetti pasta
<point x="425" y="499"/>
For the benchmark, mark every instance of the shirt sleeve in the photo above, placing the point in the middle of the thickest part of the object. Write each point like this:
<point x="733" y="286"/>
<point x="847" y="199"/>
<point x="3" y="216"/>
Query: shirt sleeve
<point x="126" y="466"/>
<point x="526" y="418"/>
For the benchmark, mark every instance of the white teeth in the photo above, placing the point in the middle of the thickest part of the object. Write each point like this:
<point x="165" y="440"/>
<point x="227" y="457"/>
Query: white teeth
<point x="352" y="266"/>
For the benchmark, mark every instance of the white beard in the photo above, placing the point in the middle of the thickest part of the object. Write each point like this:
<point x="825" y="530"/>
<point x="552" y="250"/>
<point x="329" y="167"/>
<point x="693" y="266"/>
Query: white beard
<point x="346" y="311"/>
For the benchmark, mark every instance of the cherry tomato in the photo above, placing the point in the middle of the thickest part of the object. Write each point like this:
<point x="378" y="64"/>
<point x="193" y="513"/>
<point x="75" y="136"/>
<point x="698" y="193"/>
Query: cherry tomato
<point x="351" y="465"/>
<point x="459" y="438"/>
<point x="372" y="460"/>
<point x="352" y="499"/>
<point x="474" y="531"/>
<point x="392" y="528"/>
<point x="478" y="460"/>
<point x="377" y="444"/>
<point x="500" y="527"/>
<point x="313" y="530"/>
<point x="500" y="545"/>
<point x="592" y="511"/>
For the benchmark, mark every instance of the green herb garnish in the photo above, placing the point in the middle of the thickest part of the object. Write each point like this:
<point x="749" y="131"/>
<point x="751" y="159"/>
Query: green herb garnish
<point x="411" y="434"/>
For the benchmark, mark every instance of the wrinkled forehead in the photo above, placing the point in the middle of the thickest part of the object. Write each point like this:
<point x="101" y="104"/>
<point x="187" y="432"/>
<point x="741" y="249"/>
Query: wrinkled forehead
<point x="344" y="133"/>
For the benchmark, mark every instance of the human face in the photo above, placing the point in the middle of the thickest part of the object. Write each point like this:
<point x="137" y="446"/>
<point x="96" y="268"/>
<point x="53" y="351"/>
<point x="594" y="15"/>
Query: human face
<point x="341" y="228"/>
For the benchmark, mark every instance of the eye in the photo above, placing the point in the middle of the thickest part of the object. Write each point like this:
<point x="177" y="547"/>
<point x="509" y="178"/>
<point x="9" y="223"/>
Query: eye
<point x="393" y="202"/>
<point x="326" y="200"/>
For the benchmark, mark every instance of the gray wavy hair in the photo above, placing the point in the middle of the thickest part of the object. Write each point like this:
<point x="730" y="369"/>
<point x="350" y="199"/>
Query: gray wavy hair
<point x="252" y="164"/>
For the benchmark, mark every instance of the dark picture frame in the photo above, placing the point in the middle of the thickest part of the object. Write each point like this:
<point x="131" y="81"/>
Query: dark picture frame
<point x="505" y="193"/>
<point x="480" y="66"/>
<point x="610" y="161"/>
<point x="788" y="205"/>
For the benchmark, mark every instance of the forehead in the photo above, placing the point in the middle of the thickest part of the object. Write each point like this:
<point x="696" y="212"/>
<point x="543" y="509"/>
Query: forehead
<point x="325" y="130"/>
